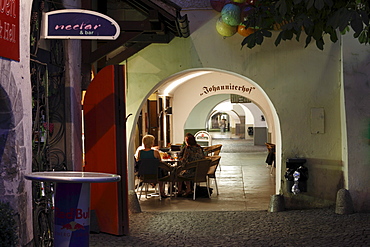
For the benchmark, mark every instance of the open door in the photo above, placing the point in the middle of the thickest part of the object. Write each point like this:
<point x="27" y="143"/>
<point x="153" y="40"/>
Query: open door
<point x="105" y="145"/>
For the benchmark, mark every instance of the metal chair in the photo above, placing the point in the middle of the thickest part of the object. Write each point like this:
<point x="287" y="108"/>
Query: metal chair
<point x="215" y="160"/>
<point x="148" y="174"/>
<point x="201" y="169"/>
<point x="213" y="150"/>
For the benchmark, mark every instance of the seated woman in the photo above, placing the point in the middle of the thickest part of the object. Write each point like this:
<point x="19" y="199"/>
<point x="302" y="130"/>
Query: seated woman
<point x="190" y="152"/>
<point x="149" y="153"/>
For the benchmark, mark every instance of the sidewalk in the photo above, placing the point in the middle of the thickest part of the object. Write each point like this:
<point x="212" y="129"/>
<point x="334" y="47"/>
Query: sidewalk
<point x="319" y="227"/>
<point x="238" y="216"/>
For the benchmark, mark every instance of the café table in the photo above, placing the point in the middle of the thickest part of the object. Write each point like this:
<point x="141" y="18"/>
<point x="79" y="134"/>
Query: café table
<point x="72" y="203"/>
<point x="172" y="163"/>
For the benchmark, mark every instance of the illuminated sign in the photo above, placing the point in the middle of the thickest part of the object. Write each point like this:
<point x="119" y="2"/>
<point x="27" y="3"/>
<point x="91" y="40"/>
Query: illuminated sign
<point x="9" y="29"/>
<point x="78" y="24"/>
<point x="234" y="98"/>
<point x="203" y="136"/>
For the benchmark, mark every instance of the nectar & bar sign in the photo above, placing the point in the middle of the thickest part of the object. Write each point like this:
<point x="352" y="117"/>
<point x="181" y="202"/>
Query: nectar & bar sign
<point x="78" y="24"/>
<point x="9" y="29"/>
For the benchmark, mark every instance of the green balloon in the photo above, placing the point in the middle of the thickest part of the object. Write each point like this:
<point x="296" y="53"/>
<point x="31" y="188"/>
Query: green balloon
<point x="230" y="14"/>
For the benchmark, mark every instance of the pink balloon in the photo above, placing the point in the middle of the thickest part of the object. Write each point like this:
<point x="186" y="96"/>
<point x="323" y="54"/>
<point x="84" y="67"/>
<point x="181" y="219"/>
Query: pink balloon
<point x="219" y="4"/>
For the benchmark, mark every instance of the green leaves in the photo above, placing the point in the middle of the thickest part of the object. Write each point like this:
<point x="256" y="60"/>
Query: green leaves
<point x="309" y="4"/>
<point x="282" y="7"/>
<point x="364" y="36"/>
<point x="329" y="3"/>
<point x="316" y="18"/>
<point x="256" y="38"/>
<point x="319" y="4"/>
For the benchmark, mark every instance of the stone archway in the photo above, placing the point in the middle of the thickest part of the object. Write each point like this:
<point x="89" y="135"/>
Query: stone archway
<point x="207" y="82"/>
<point x="215" y="82"/>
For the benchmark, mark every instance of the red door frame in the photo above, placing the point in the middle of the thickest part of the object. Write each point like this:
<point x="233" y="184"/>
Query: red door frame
<point x="105" y="144"/>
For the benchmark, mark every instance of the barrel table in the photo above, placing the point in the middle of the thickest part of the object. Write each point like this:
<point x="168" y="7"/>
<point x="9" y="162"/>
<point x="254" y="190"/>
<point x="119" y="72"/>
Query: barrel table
<point x="72" y="204"/>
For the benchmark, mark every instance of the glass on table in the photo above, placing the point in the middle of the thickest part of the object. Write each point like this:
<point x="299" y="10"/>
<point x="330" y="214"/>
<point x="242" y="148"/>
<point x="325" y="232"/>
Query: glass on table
<point x="174" y="156"/>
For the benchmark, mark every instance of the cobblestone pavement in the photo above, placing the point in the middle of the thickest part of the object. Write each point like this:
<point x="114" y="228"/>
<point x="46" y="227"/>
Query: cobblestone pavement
<point x="318" y="227"/>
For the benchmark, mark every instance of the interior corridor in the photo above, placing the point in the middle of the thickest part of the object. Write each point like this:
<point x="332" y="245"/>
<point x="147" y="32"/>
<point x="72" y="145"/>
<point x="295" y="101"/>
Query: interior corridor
<point x="245" y="183"/>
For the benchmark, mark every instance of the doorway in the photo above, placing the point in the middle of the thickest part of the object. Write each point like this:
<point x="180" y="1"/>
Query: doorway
<point x="193" y="116"/>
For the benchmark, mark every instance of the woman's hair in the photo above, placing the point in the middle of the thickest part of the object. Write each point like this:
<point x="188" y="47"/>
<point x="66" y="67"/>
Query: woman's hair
<point x="188" y="134"/>
<point x="190" y="139"/>
<point x="148" y="141"/>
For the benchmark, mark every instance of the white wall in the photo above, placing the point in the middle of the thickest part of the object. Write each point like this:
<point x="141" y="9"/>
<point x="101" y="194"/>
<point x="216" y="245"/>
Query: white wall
<point x="356" y="74"/>
<point x="200" y="113"/>
<point x="291" y="79"/>
<point x="256" y="112"/>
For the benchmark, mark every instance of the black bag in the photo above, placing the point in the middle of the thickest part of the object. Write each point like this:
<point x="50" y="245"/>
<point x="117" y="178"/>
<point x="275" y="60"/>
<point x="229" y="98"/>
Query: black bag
<point x="201" y="192"/>
<point x="137" y="165"/>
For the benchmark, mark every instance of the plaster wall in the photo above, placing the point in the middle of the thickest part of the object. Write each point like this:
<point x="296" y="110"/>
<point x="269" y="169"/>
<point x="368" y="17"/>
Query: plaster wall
<point x="254" y="115"/>
<point x="200" y="113"/>
<point x="240" y="110"/>
<point x="356" y="74"/>
<point x="295" y="79"/>
<point x="17" y="157"/>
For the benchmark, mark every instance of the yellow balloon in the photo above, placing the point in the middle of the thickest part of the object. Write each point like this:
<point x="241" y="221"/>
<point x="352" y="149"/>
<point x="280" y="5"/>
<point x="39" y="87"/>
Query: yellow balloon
<point x="224" y="29"/>
<point x="239" y="1"/>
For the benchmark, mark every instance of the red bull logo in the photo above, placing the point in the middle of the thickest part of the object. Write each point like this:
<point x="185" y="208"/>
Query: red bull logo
<point x="74" y="213"/>
<point x="73" y="226"/>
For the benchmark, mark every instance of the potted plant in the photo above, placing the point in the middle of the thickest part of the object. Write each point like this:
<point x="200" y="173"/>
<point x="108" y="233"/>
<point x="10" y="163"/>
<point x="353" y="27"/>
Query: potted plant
<point x="8" y="227"/>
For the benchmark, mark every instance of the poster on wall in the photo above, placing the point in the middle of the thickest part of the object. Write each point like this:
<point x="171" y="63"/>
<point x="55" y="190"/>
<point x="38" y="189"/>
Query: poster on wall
<point x="9" y="29"/>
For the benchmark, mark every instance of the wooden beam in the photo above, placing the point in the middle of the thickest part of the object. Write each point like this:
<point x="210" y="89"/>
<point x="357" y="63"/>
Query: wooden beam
<point x="164" y="9"/>
<point x="153" y="38"/>
<point x="111" y="46"/>
<point x="128" y="52"/>
<point x="142" y="26"/>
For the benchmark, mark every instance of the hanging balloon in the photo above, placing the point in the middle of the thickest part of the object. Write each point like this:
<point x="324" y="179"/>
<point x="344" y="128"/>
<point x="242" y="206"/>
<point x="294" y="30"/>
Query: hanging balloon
<point x="224" y="29"/>
<point x="245" y="31"/>
<point x="218" y="4"/>
<point x="230" y="14"/>
<point x="246" y="11"/>
<point x="251" y="2"/>
<point x="239" y="1"/>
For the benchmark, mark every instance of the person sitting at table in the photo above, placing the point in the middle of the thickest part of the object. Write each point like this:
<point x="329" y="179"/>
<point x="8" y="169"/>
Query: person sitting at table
<point x="192" y="151"/>
<point x="149" y="153"/>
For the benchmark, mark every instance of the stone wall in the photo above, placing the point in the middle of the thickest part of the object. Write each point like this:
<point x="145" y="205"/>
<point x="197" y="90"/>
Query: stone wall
<point x="15" y="130"/>
<point x="13" y="165"/>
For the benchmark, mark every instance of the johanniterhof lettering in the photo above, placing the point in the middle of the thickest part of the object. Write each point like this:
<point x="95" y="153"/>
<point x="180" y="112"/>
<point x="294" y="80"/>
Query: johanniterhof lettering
<point x="230" y="87"/>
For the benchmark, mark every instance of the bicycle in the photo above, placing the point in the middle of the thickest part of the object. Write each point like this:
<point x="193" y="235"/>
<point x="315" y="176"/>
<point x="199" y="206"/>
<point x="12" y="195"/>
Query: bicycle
<point x="44" y="215"/>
